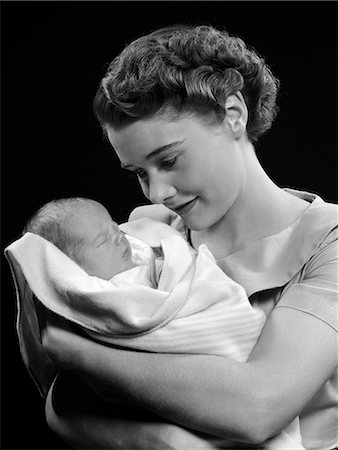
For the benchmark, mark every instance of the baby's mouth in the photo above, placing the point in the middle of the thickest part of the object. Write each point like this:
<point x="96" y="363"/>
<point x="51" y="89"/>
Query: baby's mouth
<point x="127" y="251"/>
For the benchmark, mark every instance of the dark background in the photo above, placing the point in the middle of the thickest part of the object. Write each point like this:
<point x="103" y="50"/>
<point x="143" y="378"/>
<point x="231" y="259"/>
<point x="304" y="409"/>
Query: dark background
<point x="53" y="56"/>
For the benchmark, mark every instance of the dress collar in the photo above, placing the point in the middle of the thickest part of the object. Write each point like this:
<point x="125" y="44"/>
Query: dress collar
<point x="273" y="261"/>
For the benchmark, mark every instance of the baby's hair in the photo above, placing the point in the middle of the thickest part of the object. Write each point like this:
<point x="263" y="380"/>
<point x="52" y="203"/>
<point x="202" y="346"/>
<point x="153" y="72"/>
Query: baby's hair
<point x="50" y="220"/>
<point x="185" y="69"/>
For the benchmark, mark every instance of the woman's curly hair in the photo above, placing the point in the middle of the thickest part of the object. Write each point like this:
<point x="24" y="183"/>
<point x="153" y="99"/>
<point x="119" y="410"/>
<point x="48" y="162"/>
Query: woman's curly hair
<point x="182" y="69"/>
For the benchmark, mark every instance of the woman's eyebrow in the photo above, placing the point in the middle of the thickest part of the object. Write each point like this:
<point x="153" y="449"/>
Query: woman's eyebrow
<point x="163" y="148"/>
<point x="157" y="151"/>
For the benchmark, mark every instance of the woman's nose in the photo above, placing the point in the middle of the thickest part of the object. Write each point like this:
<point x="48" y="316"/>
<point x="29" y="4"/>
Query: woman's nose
<point x="160" y="188"/>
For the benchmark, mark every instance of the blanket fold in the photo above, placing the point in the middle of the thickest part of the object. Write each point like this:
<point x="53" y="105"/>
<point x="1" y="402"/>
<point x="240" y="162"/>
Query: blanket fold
<point x="196" y="308"/>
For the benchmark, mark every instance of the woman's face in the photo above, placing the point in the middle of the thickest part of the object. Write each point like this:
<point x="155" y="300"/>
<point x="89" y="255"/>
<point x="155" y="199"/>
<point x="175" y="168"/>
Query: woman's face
<point x="193" y="168"/>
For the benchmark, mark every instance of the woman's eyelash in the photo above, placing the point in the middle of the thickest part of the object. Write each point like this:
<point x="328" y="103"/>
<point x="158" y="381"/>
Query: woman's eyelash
<point x="168" y="162"/>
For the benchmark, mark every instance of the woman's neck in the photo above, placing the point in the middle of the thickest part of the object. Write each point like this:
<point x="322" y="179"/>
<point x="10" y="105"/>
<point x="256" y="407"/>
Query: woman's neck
<point x="261" y="209"/>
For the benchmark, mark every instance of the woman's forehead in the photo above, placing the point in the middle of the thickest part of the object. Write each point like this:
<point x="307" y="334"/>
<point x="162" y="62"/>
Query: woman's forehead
<point x="153" y="129"/>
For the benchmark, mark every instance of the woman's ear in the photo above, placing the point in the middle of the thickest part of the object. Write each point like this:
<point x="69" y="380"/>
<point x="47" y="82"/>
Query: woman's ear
<point x="236" y="114"/>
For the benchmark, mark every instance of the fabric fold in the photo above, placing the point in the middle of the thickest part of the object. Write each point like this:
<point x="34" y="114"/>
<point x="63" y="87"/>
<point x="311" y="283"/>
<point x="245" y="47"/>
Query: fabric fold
<point x="195" y="308"/>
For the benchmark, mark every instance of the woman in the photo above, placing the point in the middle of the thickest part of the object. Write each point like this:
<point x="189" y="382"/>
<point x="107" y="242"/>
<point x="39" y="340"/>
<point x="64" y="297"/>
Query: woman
<point x="182" y="108"/>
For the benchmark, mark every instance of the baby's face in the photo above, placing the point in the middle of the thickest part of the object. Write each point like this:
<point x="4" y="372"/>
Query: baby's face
<point x="105" y="251"/>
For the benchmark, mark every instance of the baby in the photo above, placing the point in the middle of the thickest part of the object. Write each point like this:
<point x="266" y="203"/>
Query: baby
<point x="84" y="230"/>
<point x="195" y="308"/>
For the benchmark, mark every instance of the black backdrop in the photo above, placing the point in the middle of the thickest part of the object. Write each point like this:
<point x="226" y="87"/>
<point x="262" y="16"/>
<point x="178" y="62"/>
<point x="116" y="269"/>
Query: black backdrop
<point x="53" y="55"/>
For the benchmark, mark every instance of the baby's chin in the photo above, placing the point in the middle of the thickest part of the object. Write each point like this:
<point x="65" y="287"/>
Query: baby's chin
<point x="126" y="264"/>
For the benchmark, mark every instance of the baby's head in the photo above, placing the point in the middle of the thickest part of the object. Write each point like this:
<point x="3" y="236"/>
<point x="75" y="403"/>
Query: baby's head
<point x="84" y="230"/>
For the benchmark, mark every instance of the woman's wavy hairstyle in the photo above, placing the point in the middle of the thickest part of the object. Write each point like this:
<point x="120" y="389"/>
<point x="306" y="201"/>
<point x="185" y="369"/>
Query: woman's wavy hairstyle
<point x="186" y="69"/>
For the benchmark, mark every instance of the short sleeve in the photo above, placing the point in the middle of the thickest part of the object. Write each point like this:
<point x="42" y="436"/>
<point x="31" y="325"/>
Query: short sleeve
<point x="315" y="292"/>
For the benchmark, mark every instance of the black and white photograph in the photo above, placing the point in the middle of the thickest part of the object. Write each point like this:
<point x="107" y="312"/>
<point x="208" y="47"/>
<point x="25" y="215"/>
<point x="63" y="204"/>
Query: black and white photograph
<point x="169" y="225"/>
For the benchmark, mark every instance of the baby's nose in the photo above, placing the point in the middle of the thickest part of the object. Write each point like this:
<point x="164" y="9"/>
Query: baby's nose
<point x="120" y="239"/>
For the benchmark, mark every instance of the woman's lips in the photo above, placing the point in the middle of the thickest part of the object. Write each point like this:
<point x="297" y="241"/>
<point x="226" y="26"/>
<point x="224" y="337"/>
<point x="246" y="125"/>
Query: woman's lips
<point x="185" y="207"/>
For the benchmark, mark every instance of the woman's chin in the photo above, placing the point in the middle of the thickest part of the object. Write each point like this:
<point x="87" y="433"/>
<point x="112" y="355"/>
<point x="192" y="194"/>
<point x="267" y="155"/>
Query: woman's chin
<point x="195" y="223"/>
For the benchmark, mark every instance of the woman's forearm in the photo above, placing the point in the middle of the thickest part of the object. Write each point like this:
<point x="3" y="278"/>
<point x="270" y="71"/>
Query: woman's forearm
<point x="85" y="421"/>
<point x="247" y="402"/>
<point x="191" y="391"/>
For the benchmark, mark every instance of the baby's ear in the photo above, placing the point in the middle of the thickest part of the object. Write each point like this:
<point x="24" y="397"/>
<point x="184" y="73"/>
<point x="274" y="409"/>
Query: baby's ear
<point x="236" y="114"/>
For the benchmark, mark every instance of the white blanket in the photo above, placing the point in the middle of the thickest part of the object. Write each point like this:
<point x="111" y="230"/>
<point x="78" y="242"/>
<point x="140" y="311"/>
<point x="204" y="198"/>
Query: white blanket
<point x="196" y="308"/>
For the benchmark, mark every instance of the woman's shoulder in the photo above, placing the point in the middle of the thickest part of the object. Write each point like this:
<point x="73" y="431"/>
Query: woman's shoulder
<point x="318" y="207"/>
<point x="321" y="224"/>
<point x="317" y="226"/>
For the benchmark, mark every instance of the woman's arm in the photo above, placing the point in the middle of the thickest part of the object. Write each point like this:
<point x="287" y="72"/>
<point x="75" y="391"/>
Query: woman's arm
<point x="85" y="421"/>
<point x="248" y="402"/>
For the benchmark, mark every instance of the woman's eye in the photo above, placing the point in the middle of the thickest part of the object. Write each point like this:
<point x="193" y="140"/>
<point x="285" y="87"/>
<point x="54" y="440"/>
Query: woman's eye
<point x="167" y="163"/>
